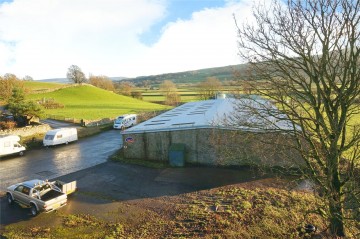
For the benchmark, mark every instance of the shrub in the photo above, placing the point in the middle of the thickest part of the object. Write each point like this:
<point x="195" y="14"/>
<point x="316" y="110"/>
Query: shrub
<point x="50" y="104"/>
<point x="137" y="95"/>
<point x="7" y="125"/>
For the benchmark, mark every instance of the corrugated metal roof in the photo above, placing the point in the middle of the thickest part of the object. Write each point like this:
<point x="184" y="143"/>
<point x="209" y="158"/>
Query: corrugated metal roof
<point x="225" y="113"/>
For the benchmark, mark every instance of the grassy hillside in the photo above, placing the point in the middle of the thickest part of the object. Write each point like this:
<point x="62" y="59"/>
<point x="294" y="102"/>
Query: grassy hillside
<point x="41" y="87"/>
<point x="88" y="102"/>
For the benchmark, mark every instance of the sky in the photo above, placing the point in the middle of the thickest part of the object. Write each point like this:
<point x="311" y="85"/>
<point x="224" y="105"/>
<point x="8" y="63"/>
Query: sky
<point x="118" y="38"/>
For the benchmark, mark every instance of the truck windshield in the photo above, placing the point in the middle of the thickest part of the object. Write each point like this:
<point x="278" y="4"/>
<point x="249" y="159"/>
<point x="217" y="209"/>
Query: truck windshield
<point x="118" y="121"/>
<point x="49" y="137"/>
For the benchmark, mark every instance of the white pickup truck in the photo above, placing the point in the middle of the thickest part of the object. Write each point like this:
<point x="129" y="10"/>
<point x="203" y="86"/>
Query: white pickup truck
<point x="39" y="195"/>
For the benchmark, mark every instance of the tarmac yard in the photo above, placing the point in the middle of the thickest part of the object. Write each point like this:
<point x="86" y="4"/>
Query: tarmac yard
<point x="117" y="200"/>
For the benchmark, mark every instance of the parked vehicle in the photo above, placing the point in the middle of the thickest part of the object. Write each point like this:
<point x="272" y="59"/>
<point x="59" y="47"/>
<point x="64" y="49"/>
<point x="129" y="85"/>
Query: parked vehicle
<point x="60" y="136"/>
<point x="125" y="121"/>
<point x="9" y="144"/>
<point x="39" y="195"/>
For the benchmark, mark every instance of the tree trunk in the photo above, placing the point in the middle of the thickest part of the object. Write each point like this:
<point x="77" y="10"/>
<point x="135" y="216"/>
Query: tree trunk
<point x="335" y="204"/>
<point x="336" y="220"/>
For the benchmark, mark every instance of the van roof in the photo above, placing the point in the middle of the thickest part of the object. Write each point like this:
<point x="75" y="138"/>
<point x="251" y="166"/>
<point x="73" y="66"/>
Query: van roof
<point x="126" y="115"/>
<point x="3" y="136"/>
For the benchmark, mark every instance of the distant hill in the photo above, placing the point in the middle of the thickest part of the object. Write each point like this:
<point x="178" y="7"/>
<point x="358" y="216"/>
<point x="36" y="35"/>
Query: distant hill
<point x="66" y="80"/>
<point x="56" y="80"/>
<point x="222" y="73"/>
<point x="195" y="76"/>
<point x="118" y="78"/>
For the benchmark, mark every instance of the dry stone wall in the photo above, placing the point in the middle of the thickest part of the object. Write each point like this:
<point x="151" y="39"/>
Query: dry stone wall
<point x="28" y="130"/>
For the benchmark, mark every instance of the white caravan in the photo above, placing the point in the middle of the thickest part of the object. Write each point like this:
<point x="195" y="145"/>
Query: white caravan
<point x="9" y="144"/>
<point x="125" y="121"/>
<point x="60" y="136"/>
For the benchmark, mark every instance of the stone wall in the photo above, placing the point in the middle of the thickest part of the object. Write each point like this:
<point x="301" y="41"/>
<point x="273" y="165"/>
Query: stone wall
<point x="28" y="130"/>
<point x="214" y="147"/>
<point x="90" y="123"/>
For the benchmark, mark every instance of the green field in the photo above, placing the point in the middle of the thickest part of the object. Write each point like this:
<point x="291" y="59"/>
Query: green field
<point x="157" y="96"/>
<point x="187" y="94"/>
<point x="88" y="102"/>
<point x="41" y="87"/>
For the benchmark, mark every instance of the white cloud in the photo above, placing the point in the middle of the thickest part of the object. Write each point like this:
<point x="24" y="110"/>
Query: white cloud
<point x="208" y="39"/>
<point x="42" y="38"/>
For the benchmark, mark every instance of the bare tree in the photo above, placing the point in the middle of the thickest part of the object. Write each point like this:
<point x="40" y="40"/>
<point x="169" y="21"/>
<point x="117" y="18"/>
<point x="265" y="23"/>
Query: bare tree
<point x="308" y="53"/>
<point x="102" y="82"/>
<point x="209" y="88"/>
<point x="125" y="88"/>
<point x="76" y="75"/>
<point x="27" y="78"/>
<point x="169" y="90"/>
<point x="167" y="87"/>
<point x="173" y="98"/>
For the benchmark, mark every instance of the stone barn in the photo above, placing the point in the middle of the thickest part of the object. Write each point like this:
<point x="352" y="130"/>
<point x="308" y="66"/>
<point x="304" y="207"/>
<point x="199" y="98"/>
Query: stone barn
<point x="212" y="132"/>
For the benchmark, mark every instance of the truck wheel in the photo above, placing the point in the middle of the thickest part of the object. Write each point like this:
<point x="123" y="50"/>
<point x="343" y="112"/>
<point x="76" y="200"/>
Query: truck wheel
<point x="33" y="210"/>
<point x="21" y="153"/>
<point x="9" y="199"/>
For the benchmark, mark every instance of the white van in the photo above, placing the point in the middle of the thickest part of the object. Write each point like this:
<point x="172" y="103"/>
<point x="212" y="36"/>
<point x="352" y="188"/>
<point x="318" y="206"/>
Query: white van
<point x="9" y="144"/>
<point x="125" y="121"/>
<point x="60" y="136"/>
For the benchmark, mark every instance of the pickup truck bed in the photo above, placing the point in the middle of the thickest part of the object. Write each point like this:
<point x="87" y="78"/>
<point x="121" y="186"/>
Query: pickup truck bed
<point x="50" y="195"/>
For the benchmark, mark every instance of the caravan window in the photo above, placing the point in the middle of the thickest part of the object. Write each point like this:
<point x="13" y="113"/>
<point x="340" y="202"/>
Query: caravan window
<point x="59" y="136"/>
<point x="49" y="137"/>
